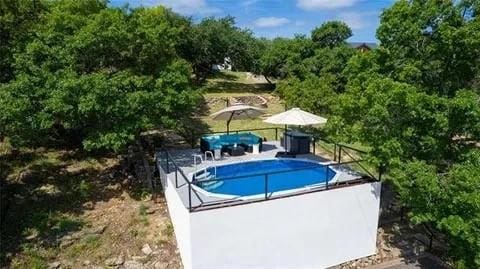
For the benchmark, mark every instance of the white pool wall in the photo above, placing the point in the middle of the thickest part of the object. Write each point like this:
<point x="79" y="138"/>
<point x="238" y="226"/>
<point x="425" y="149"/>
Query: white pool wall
<point x="180" y="218"/>
<point x="314" y="230"/>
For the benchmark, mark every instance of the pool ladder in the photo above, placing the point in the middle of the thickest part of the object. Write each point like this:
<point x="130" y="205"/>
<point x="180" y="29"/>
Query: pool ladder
<point x="212" y="161"/>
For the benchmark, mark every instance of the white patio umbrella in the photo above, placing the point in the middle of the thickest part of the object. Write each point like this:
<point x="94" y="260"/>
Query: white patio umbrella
<point x="237" y="112"/>
<point x="295" y="116"/>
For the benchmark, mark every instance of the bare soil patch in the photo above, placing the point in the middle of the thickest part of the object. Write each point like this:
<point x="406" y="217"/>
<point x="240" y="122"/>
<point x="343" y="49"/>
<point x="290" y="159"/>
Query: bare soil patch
<point x="66" y="209"/>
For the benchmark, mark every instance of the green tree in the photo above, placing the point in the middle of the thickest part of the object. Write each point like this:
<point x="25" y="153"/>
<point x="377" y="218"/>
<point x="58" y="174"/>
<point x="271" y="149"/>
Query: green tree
<point x="97" y="76"/>
<point x="281" y="56"/>
<point x="447" y="202"/>
<point x="213" y="40"/>
<point x="431" y="44"/>
<point x="415" y="102"/>
<point x="16" y="19"/>
<point x="313" y="74"/>
<point x="331" y="34"/>
<point x="313" y="93"/>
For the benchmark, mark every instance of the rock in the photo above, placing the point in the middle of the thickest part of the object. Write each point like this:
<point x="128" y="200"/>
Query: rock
<point x="150" y="210"/>
<point x="115" y="187"/>
<point x="133" y="265"/>
<point x="67" y="238"/>
<point x="66" y="243"/>
<point x="115" y="261"/>
<point x="146" y="249"/>
<point x="89" y="205"/>
<point x="160" y="265"/>
<point x="32" y="236"/>
<point x="66" y="264"/>
<point x="87" y="262"/>
<point x="77" y="235"/>
<point x="54" y="265"/>
<point x="140" y="258"/>
<point x="96" y="230"/>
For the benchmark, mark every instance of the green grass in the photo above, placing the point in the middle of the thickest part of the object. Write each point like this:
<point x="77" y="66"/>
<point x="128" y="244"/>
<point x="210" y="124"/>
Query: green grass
<point x="88" y="244"/>
<point x="31" y="258"/>
<point x="227" y="84"/>
<point x="168" y="230"/>
<point x="142" y="212"/>
<point x="46" y="205"/>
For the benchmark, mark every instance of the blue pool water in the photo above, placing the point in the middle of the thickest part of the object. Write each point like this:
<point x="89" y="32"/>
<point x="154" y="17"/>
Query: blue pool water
<point x="247" y="178"/>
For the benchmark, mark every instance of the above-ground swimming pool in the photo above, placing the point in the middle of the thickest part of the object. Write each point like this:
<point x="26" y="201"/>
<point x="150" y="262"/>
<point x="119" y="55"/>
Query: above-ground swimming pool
<point x="248" y="178"/>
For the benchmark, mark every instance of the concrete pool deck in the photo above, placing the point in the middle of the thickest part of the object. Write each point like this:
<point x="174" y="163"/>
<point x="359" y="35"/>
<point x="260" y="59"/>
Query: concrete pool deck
<point x="185" y="161"/>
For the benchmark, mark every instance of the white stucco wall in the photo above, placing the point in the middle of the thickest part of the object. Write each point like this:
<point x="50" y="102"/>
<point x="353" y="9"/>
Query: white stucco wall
<point x="180" y="218"/>
<point x="315" y="230"/>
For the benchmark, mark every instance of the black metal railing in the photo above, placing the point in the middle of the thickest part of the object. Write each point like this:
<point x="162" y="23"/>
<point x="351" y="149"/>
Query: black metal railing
<point x="327" y="168"/>
<point x="339" y="150"/>
<point x="164" y="171"/>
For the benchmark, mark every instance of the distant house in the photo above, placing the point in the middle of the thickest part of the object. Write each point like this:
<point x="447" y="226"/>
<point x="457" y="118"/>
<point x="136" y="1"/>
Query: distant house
<point x="363" y="46"/>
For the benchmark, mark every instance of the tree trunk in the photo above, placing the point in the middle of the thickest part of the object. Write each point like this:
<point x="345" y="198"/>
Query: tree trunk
<point x="146" y="165"/>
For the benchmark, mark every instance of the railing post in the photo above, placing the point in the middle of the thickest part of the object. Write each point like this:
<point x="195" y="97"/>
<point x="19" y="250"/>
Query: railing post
<point x="381" y="170"/>
<point x="266" y="186"/>
<point x="192" y="139"/>
<point x="326" y="176"/>
<point x="314" y="145"/>
<point x="168" y="164"/>
<point x="276" y="134"/>
<point x="339" y="153"/>
<point x="334" y="152"/>
<point x="189" y="196"/>
<point x="176" y="177"/>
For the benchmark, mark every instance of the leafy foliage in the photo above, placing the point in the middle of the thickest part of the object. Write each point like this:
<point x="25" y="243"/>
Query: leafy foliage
<point x="97" y="76"/>
<point x="431" y="44"/>
<point x="313" y="71"/>
<point x="414" y="102"/>
<point x="331" y="34"/>
<point x="213" y="40"/>
<point x="281" y="55"/>
<point x="447" y="201"/>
